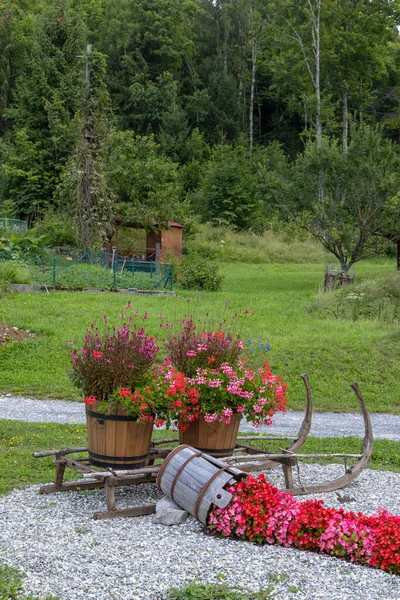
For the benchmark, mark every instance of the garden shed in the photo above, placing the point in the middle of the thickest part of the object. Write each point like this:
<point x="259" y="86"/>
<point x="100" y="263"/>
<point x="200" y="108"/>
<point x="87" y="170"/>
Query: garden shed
<point x="130" y="239"/>
<point x="168" y="241"/>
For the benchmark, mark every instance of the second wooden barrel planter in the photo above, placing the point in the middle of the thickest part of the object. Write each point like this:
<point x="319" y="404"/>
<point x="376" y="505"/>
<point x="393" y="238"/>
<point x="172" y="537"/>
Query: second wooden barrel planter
<point x="217" y="438"/>
<point x="117" y="441"/>
<point x="196" y="480"/>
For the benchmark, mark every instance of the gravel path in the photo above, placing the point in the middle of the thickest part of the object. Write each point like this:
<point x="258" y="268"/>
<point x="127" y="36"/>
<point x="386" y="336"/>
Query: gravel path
<point x="66" y="553"/>
<point x="323" y="424"/>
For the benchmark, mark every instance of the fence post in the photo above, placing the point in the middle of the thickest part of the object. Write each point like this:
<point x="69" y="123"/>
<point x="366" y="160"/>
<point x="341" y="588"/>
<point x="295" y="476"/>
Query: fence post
<point x="42" y="259"/>
<point x="115" y="275"/>
<point x="54" y="271"/>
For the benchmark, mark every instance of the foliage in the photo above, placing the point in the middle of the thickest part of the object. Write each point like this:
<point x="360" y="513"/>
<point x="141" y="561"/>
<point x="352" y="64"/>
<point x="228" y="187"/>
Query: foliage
<point x="195" y="346"/>
<point x="145" y="183"/>
<point x="132" y="403"/>
<point x="279" y="243"/>
<point x="112" y="358"/>
<point x="217" y="394"/>
<point x="346" y="198"/>
<point x="227" y="194"/>
<point x="200" y="274"/>
<point x="55" y="229"/>
<point x="13" y="272"/>
<point x="42" y="108"/>
<point x="27" y="248"/>
<point x="261" y="513"/>
<point x="221" y="591"/>
<point x="84" y="183"/>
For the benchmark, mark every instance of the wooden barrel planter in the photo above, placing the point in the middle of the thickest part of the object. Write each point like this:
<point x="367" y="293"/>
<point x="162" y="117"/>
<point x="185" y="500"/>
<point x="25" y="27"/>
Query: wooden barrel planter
<point x="117" y="440"/>
<point x="196" y="481"/>
<point x="217" y="439"/>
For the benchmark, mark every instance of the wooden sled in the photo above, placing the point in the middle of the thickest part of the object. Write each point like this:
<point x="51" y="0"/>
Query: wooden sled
<point x="246" y="458"/>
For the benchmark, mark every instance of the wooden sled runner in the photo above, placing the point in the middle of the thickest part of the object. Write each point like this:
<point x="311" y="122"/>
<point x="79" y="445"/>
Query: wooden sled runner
<point x="258" y="461"/>
<point x="246" y="458"/>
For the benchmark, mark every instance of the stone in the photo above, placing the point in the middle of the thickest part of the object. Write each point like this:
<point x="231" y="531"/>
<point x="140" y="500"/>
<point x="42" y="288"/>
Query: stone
<point x="170" y="516"/>
<point x="169" y="513"/>
<point x="165" y="503"/>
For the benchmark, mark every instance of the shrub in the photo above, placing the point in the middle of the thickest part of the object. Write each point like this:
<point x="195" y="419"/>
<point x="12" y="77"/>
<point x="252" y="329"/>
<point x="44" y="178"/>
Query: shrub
<point x="198" y="273"/>
<point x="56" y="230"/>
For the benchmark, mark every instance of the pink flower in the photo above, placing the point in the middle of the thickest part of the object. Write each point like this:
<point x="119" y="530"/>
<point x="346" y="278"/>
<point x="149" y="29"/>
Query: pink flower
<point x="210" y="418"/>
<point x="214" y="383"/>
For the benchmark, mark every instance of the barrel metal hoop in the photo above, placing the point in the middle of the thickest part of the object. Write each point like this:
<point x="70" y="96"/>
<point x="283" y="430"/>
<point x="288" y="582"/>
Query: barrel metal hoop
<point x="179" y="471"/>
<point x="115" y="467"/>
<point x="105" y="417"/>
<point x="205" y="488"/>
<point x="166" y="461"/>
<point x="122" y="458"/>
<point x="222" y="451"/>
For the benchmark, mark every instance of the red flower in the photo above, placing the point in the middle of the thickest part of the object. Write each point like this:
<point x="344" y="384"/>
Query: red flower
<point x="90" y="400"/>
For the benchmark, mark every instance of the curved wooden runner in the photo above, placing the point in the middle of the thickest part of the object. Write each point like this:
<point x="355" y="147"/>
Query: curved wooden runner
<point x="355" y="469"/>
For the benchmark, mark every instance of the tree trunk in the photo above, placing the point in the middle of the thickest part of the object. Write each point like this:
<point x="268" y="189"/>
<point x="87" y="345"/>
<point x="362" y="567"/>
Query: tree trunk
<point x="254" y="51"/>
<point x="345" y="122"/>
<point x="317" y="54"/>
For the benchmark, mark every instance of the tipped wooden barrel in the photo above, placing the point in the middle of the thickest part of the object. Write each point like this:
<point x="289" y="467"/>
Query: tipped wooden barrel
<point x="196" y="481"/>
<point x="117" y="441"/>
<point x="216" y="438"/>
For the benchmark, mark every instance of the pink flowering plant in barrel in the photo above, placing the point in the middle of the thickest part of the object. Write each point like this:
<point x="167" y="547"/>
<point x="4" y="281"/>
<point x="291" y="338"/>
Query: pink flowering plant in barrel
<point x="205" y="374"/>
<point x="111" y="364"/>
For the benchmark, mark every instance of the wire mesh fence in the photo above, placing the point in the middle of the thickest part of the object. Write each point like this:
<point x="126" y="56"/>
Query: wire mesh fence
<point x="87" y="268"/>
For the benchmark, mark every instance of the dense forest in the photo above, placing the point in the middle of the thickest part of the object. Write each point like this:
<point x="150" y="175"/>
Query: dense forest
<point x="234" y="112"/>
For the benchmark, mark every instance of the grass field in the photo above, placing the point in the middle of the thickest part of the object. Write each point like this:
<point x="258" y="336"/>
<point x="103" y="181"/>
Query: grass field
<point x="333" y="352"/>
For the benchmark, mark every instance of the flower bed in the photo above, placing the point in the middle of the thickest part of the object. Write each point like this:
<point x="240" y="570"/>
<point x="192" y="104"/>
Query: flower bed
<point x="259" y="512"/>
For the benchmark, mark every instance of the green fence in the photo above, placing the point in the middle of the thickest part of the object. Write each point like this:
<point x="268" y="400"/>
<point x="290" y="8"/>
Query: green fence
<point x="86" y="268"/>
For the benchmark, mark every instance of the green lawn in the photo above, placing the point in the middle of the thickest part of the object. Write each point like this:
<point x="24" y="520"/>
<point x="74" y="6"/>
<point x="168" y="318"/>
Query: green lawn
<point x="333" y="352"/>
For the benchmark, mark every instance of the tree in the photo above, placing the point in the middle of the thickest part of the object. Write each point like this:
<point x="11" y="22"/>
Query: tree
<point x="145" y="184"/>
<point x="228" y="191"/>
<point x="359" y="191"/>
<point x="84" y="183"/>
<point x="41" y="117"/>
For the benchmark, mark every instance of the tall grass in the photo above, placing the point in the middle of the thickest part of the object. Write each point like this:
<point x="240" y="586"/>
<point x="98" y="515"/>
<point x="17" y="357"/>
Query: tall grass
<point x="377" y="298"/>
<point x="284" y="246"/>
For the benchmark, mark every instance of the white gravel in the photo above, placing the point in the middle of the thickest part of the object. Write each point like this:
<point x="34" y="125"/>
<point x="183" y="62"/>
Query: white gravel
<point x="66" y="553"/>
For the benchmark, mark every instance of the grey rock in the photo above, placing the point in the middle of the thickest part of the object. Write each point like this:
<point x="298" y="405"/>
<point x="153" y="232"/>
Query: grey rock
<point x="166" y="503"/>
<point x="170" y="516"/>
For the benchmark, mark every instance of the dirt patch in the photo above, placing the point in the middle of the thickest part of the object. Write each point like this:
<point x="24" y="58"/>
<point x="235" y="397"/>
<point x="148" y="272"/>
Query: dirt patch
<point x="8" y="333"/>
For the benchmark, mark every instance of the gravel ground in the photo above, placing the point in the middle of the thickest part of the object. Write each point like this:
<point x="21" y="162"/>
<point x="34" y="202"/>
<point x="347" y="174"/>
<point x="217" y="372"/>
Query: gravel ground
<point x="66" y="553"/>
<point x="323" y="424"/>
